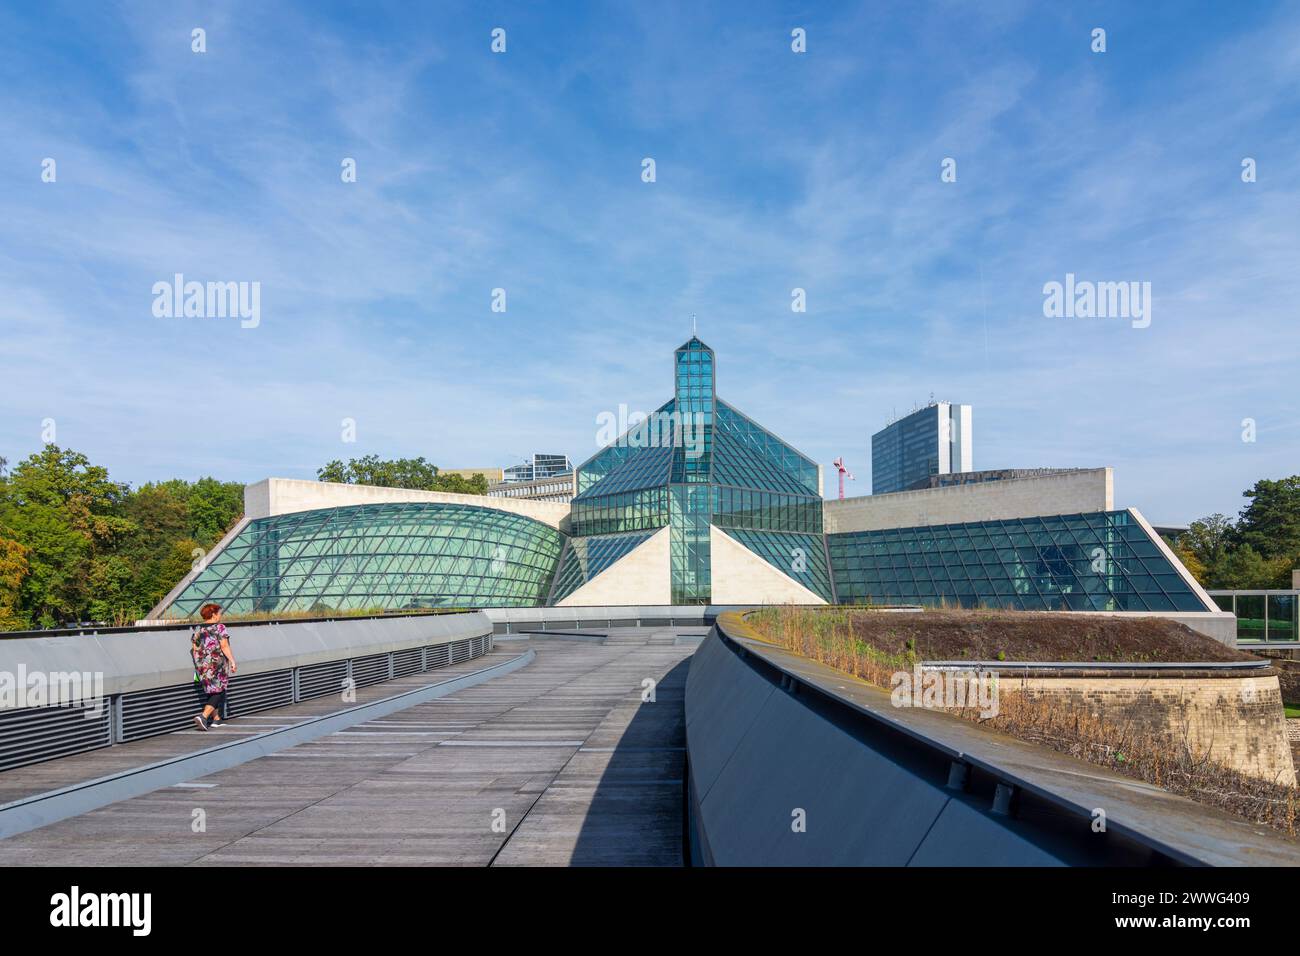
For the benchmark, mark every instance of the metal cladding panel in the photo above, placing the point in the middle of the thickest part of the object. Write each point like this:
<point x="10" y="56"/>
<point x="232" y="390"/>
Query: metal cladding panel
<point x="723" y="696"/>
<point x="253" y="692"/>
<point x="160" y="710"/>
<point x="318" y="680"/>
<point x="369" y="670"/>
<point x="152" y="658"/>
<point x="408" y="662"/>
<point x="860" y="807"/>
<point x="34" y="734"/>
<point x="964" y="836"/>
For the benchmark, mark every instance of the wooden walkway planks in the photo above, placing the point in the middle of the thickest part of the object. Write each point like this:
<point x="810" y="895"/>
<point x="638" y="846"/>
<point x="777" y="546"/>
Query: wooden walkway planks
<point x="555" y="763"/>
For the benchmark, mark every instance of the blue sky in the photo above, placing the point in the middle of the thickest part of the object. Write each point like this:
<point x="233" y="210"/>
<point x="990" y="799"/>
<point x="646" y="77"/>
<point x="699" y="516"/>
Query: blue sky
<point x="775" y="170"/>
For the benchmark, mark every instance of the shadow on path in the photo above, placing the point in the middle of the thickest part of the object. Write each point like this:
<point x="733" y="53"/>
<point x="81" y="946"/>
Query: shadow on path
<point x="635" y="816"/>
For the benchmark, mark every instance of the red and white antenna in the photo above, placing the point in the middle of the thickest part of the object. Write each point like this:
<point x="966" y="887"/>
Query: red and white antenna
<point x="844" y="472"/>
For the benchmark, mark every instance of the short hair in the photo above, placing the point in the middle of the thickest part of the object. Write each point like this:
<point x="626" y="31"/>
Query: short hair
<point x="208" y="611"/>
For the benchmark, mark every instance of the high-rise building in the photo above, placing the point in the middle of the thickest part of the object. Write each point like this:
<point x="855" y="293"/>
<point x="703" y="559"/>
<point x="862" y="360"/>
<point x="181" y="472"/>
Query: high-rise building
<point x="540" y="466"/>
<point x="935" y="440"/>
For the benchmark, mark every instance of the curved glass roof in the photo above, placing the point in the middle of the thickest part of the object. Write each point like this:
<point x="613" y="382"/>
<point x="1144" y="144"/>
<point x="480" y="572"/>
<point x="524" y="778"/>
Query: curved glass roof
<point x="382" y="556"/>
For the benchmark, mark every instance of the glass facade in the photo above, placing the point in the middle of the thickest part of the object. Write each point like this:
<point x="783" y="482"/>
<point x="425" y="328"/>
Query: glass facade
<point x="934" y="440"/>
<point x="905" y="451"/>
<point x="1263" y="617"/>
<point x="584" y="558"/>
<point x="694" y="464"/>
<point x="698" y="462"/>
<point x="541" y="466"/>
<point x="385" y="556"/>
<point x="799" y="556"/>
<point x="1102" y="561"/>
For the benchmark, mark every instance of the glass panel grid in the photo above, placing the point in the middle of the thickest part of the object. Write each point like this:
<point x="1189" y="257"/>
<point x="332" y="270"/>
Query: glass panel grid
<point x="1094" y="562"/>
<point x="380" y="556"/>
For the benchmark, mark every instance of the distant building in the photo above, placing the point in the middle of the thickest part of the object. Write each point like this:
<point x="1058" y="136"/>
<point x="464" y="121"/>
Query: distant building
<point x="935" y="440"/>
<point x="558" y="488"/>
<point x="541" y="466"/>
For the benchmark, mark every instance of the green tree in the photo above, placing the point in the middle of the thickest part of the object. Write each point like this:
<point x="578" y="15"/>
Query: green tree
<point x="214" y="506"/>
<point x="1271" y="522"/>
<point x="65" y="512"/>
<point x="1190" y="561"/>
<point x="1244" y="568"/>
<point x="13" y="568"/>
<point x="1208" y="539"/>
<point x="415" y="473"/>
<point x="473" y="485"/>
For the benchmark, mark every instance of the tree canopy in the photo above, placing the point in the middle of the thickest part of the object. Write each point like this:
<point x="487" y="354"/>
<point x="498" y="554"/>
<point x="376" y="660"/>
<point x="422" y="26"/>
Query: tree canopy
<point x="74" y="544"/>
<point x="1258" y="550"/>
<point x="415" y="473"/>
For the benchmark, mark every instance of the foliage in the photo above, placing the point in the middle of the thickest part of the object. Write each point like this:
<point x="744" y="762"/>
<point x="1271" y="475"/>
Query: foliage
<point x="414" y="473"/>
<point x="1271" y="522"/>
<point x="1256" y="552"/>
<point x="75" y="544"/>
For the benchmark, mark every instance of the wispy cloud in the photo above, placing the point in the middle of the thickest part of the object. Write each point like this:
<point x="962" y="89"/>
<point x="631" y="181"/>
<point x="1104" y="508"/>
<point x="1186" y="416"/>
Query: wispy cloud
<point x="775" y="171"/>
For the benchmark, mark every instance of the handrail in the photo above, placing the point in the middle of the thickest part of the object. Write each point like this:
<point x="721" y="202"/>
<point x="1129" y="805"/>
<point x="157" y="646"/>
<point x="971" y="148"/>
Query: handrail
<point x="186" y="622"/>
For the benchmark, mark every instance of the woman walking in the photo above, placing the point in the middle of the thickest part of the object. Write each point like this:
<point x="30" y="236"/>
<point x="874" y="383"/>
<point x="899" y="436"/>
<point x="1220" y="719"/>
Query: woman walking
<point x="213" y="665"/>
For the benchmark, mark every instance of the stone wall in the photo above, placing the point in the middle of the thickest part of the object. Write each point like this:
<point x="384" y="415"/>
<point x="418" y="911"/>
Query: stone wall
<point x="277" y="496"/>
<point x="1238" y="721"/>
<point x="1080" y="491"/>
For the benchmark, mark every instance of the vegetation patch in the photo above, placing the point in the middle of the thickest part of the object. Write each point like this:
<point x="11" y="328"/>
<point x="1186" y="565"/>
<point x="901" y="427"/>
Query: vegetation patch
<point x="943" y="635"/>
<point x="875" y="645"/>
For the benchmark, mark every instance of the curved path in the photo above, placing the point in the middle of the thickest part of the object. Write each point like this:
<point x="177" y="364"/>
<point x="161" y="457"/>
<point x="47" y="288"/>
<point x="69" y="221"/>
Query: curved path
<point x="559" y="762"/>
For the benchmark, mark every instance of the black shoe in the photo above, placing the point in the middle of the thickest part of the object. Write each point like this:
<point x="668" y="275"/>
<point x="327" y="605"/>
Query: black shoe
<point x="201" y="721"/>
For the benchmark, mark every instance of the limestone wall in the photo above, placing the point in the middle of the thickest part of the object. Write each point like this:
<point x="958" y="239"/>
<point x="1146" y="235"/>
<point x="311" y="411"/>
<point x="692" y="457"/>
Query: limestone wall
<point x="1238" y="721"/>
<point x="1083" y="491"/>
<point x="277" y="496"/>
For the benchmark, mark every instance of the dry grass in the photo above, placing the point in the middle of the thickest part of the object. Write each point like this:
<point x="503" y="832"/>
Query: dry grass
<point x="833" y="637"/>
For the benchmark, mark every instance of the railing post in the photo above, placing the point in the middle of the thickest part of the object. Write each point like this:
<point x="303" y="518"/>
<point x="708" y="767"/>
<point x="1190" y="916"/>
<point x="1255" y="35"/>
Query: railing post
<point x="1002" y="797"/>
<point x="115" y="719"/>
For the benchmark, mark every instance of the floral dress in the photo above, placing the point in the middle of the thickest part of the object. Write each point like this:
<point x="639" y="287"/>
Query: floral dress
<point x="209" y="662"/>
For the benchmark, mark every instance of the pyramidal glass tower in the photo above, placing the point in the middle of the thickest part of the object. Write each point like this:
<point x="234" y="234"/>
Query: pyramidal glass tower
<point x="695" y="503"/>
<point x="694" y="465"/>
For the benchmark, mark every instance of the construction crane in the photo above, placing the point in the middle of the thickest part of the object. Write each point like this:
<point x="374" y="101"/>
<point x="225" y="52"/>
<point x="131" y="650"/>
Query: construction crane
<point x="844" y="472"/>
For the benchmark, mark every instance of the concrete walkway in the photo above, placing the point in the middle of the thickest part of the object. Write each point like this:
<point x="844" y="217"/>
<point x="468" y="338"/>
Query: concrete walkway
<point x="558" y="763"/>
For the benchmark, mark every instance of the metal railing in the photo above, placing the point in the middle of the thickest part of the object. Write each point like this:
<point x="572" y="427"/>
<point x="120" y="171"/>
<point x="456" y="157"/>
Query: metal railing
<point x="35" y="734"/>
<point x="92" y="629"/>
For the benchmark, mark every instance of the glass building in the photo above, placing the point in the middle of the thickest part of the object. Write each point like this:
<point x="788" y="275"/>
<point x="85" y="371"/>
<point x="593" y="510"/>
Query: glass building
<point x="1263" y="617"/>
<point x="540" y="466"/>
<point x="1085" y="562"/>
<point x="695" y="503"/>
<point x="694" y="464"/>
<point x="386" y="556"/>
<point x="935" y="440"/>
